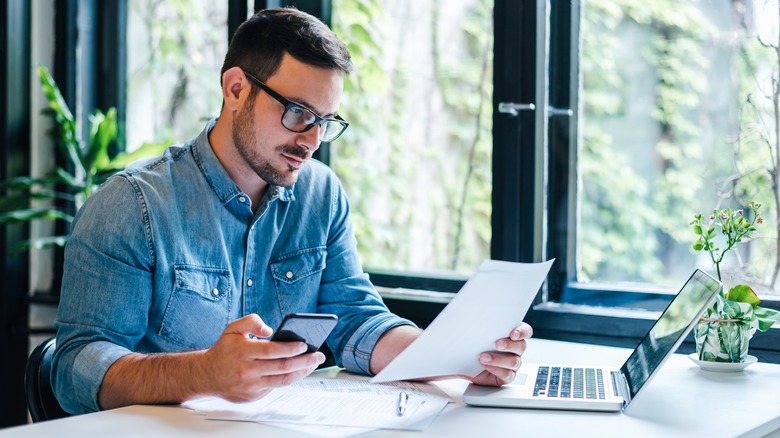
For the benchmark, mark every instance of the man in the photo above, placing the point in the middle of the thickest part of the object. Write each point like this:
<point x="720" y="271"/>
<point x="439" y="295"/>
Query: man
<point x="176" y="267"/>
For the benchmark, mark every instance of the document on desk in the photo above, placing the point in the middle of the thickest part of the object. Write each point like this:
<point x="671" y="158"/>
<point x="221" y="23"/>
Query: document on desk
<point x="347" y="401"/>
<point x="491" y="303"/>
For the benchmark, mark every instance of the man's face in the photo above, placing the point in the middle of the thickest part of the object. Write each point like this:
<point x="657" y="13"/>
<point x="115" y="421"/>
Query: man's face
<point x="273" y="152"/>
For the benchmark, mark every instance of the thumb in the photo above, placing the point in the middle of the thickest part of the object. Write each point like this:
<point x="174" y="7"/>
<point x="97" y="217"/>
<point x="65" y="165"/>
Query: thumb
<point x="250" y="324"/>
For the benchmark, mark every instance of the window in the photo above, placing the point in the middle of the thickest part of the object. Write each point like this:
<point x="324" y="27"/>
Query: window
<point x="675" y="118"/>
<point x="174" y="56"/>
<point x="416" y="161"/>
<point x="665" y="119"/>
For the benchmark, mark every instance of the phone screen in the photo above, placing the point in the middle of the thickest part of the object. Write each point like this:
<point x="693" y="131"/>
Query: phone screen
<point x="311" y="328"/>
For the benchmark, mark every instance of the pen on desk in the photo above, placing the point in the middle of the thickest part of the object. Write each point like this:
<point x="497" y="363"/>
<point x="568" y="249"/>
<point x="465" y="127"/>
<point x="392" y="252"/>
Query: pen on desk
<point x="403" y="398"/>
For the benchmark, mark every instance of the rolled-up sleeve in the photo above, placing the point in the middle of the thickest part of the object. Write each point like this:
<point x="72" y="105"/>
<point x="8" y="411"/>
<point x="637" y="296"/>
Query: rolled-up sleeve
<point x="105" y="295"/>
<point x="356" y="356"/>
<point x="89" y="367"/>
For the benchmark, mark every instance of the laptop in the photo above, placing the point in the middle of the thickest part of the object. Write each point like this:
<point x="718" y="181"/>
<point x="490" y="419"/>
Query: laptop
<point x="595" y="388"/>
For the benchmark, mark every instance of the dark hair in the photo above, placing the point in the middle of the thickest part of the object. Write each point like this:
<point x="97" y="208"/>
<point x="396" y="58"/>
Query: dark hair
<point x="260" y="43"/>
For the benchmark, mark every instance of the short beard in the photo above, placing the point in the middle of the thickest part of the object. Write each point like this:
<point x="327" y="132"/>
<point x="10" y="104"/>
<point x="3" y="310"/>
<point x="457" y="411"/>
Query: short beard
<point x="244" y="138"/>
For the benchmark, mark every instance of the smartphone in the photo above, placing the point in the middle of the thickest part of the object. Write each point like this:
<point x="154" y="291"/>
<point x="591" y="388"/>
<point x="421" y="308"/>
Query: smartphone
<point x="311" y="328"/>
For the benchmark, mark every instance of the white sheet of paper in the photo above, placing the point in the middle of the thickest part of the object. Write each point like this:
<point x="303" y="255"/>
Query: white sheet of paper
<point x="340" y="406"/>
<point x="491" y="303"/>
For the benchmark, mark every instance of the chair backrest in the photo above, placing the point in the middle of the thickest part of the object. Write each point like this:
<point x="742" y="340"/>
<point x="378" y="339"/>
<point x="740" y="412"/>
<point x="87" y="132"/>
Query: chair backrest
<point x="37" y="381"/>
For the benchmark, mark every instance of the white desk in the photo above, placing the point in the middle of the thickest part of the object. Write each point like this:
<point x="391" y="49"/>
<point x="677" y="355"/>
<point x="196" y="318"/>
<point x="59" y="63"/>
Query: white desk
<point x="700" y="403"/>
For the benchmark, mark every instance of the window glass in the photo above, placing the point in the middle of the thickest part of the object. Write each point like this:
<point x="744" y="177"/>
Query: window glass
<point x="416" y="160"/>
<point x="175" y="53"/>
<point x="678" y="116"/>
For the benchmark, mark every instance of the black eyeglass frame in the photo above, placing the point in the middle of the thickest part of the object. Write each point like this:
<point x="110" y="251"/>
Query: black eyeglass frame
<point x="288" y="104"/>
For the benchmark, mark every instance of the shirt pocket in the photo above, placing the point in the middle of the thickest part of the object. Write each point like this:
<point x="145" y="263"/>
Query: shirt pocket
<point x="199" y="307"/>
<point x="297" y="278"/>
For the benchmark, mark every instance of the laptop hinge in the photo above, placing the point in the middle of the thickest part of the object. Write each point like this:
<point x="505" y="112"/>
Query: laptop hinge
<point x="620" y="387"/>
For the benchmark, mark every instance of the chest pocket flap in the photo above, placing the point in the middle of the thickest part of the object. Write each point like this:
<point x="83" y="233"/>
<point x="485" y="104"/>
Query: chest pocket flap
<point x="298" y="265"/>
<point x="211" y="283"/>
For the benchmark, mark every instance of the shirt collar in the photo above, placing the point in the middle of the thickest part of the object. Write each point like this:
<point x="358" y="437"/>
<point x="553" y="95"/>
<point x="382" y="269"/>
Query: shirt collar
<point x="218" y="177"/>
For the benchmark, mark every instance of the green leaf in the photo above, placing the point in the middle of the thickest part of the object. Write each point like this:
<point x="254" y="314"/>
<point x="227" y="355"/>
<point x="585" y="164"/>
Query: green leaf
<point x="26" y="215"/>
<point x="49" y="194"/>
<point x="79" y="167"/>
<point x="146" y="150"/>
<point x="743" y="294"/>
<point x="24" y="185"/>
<point x="697" y="229"/>
<point x="17" y="202"/>
<point x="56" y="101"/>
<point x="698" y="245"/>
<point x="22" y="201"/>
<point x="68" y="179"/>
<point x="22" y="182"/>
<point x="736" y="310"/>
<point x="766" y="317"/>
<point x="40" y="243"/>
<point x="68" y="140"/>
<point x="103" y="132"/>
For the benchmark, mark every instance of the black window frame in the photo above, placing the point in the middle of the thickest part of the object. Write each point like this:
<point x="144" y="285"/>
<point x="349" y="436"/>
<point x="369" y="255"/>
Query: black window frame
<point x="15" y="43"/>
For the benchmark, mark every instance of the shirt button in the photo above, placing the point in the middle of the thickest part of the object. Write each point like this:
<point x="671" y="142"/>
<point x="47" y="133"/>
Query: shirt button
<point x="242" y="199"/>
<point x="249" y="282"/>
<point x="289" y="274"/>
<point x="215" y="291"/>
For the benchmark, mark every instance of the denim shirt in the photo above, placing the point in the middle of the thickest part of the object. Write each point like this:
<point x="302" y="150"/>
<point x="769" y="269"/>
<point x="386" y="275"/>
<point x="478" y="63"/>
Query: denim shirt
<point x="164" y="255"/>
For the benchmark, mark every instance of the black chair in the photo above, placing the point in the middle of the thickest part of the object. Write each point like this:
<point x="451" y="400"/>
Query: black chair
<point x="37" y="382"/>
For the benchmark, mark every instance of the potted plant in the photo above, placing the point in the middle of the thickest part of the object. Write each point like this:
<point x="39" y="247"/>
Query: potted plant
<point x="85" y="165"/>
<point x="725" y="329"/>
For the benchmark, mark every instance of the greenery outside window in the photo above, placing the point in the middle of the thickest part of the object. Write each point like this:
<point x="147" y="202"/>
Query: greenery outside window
<point x="677" y="116"/>
<point x="416" y="161"/>
<point x="174" y="55"/>
<point x="674" y="115"/>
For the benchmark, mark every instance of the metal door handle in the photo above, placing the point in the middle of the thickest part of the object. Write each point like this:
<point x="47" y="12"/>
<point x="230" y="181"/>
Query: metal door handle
<point x="553" y="111"/>
<point x="512" y="108"/>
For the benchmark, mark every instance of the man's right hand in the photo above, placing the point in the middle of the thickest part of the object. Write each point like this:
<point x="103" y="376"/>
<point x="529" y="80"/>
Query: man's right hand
<point x="237" y="368"/>
<point x="245" y="369"/>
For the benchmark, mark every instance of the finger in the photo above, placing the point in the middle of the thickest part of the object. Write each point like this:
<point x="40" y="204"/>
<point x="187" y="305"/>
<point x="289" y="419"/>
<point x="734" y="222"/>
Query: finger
<point x="509" y="346"/>
<point x="522" y="331"/>
<point x="256" y="385"/>
<point x="494" y="375"/>
<point x="250" y="324"/>
<point x="261" y="349"/>
<point x="305" y="363"/>
<point x="251" y="394"/>
<point x="487" y="379"/>
<point x="506" y="361"/>
<point x="282" y="380"/>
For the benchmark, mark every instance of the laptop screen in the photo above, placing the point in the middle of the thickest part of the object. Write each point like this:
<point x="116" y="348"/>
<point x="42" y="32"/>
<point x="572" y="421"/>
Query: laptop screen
<point x="669" y="330"/>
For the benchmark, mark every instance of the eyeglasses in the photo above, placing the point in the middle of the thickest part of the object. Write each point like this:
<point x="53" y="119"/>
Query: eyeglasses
<point x="298" y="118"/>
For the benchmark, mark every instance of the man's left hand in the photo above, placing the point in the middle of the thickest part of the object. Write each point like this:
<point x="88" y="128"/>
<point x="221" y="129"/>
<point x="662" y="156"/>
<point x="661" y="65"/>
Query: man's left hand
<point x="501" y="365"/>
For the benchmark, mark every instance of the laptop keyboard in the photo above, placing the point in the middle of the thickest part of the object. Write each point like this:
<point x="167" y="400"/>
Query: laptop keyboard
<point x="569" y="382"/>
